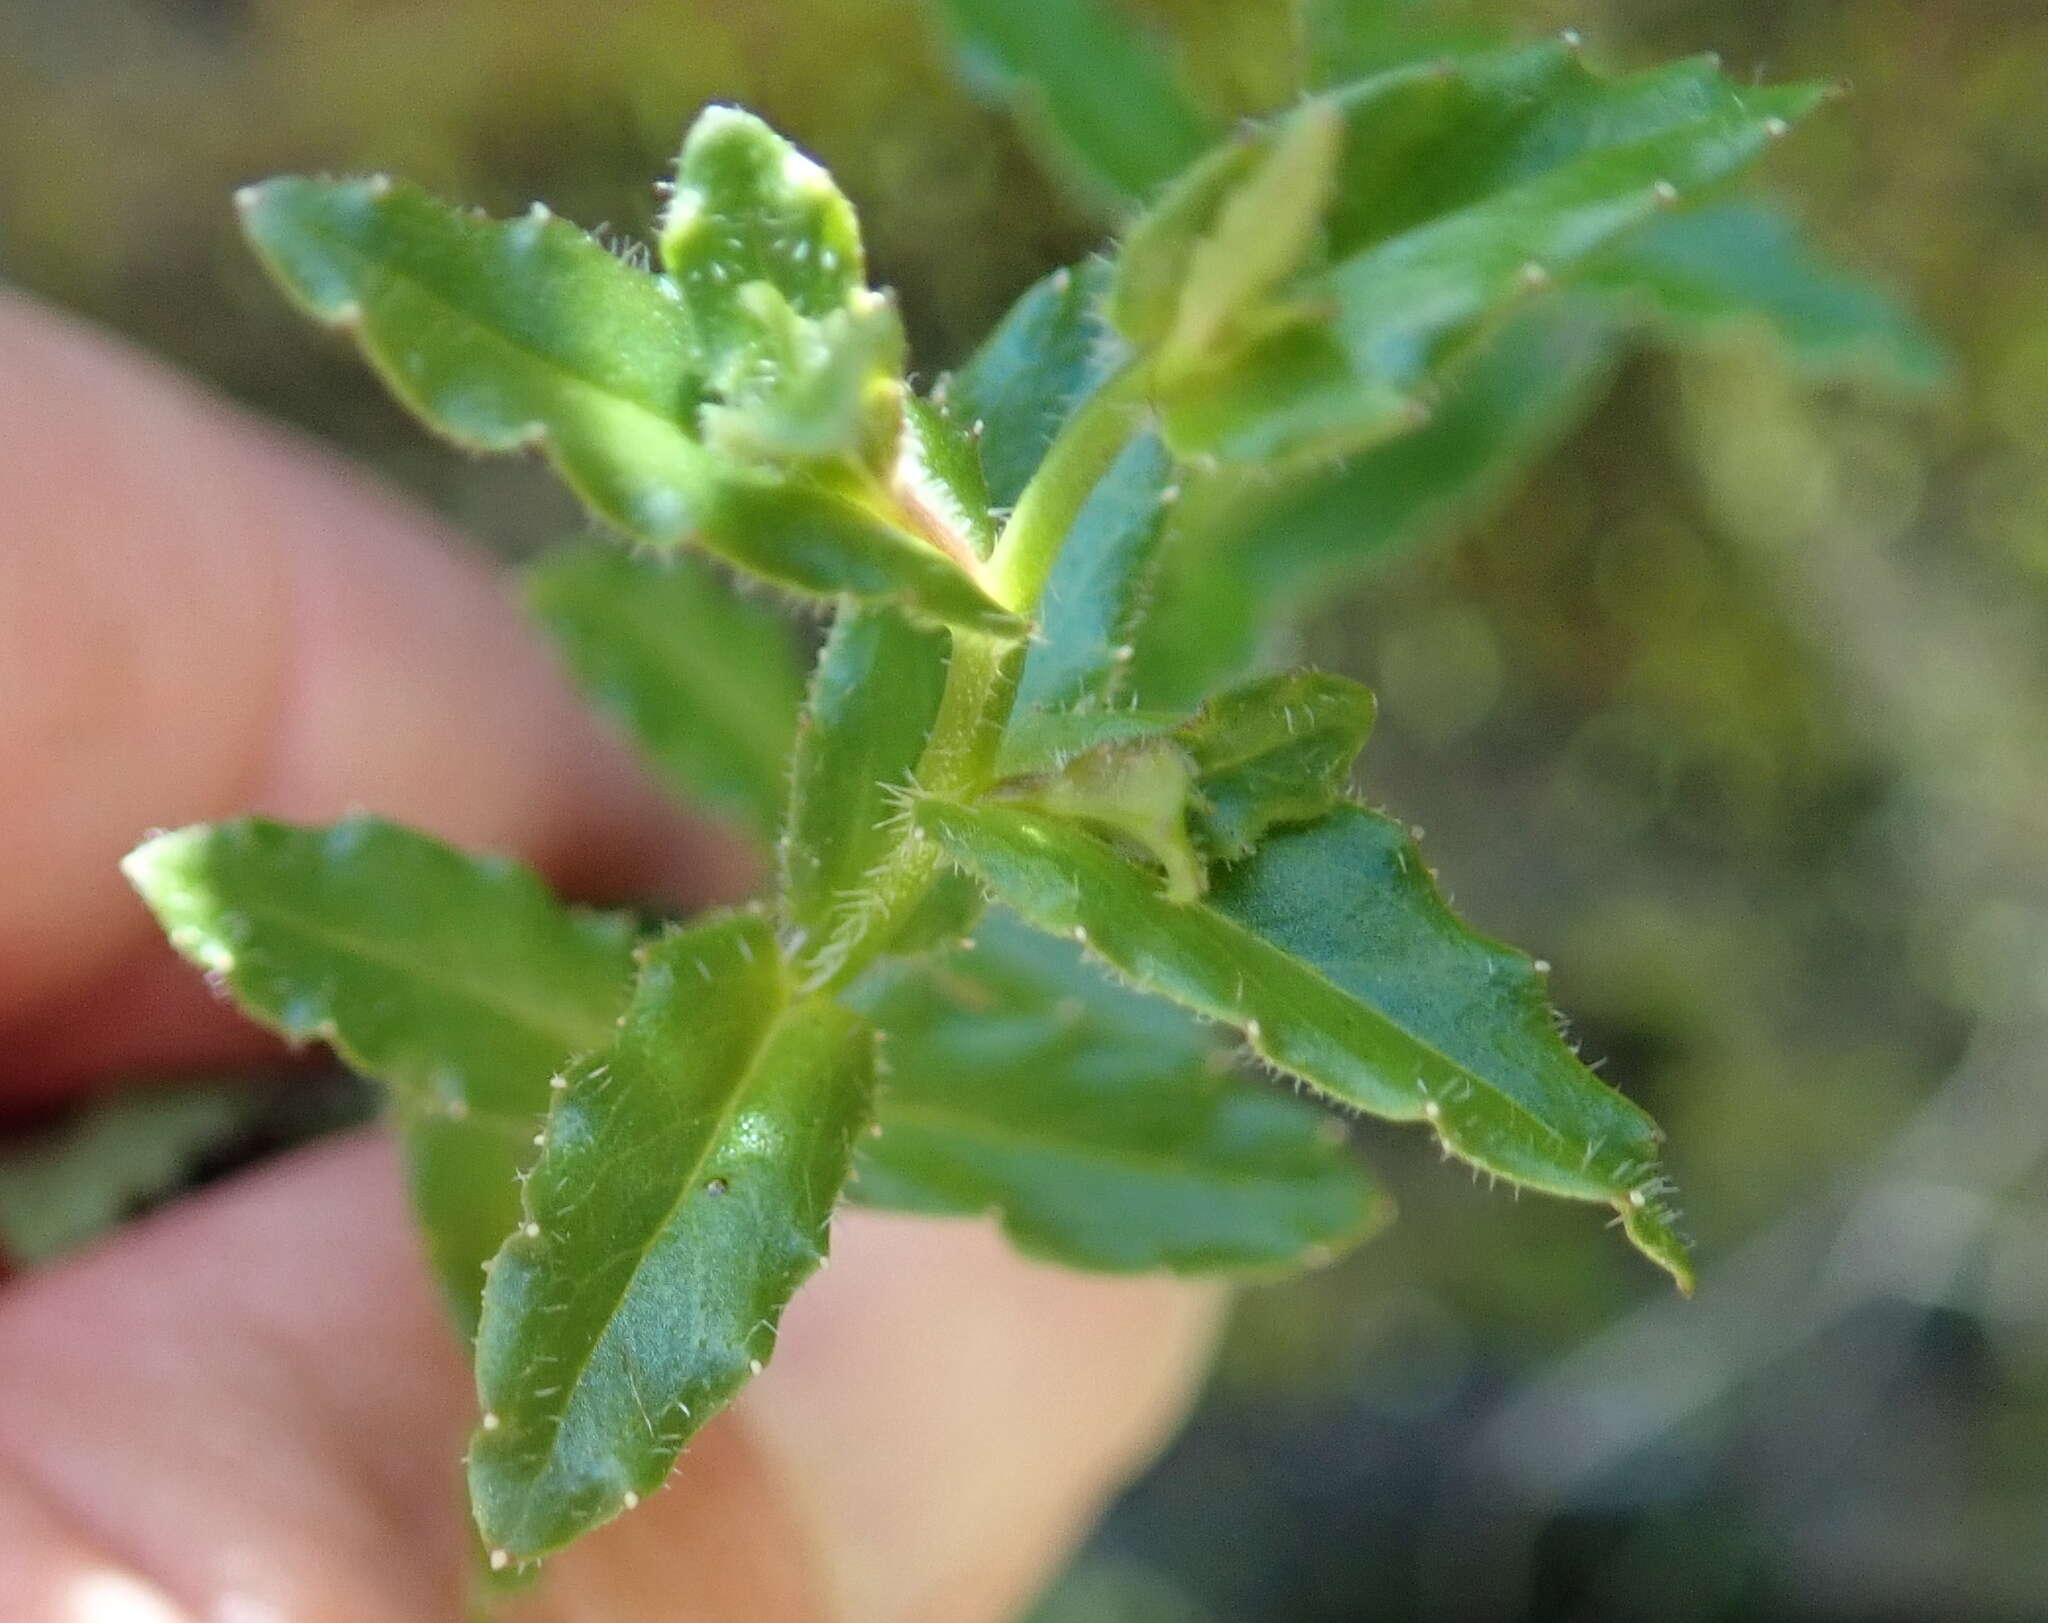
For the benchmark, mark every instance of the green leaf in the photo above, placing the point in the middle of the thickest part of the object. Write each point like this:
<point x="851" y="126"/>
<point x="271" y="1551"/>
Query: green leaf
<point x="1047" y="356"/>
<point x="1334" y="955"/>
<point x="942" y="473"/>
<point x="1462" y="189"/>
<point x="873" y="699"/>
<point x="1271" y="753"/>
<point x="1137" y="793"/>
<point x="457" y="982"/>
<point x="683" y="1193"/>
<point x="1100" y="586"/>
<point x="1244" y="553"/>
<point x="1743" y="263"/>
<point x="705" y="681"/>
<point x="503" y="335"/>
<point x="1225" y="236"/>
<point x="1104" y="1129"/>
<point x="509" y="334"/>
<point x="823" y="541"/>
<point x="1084" y="75"/>
<point x="65" y="1185"/>
<point x="748" y="209"/>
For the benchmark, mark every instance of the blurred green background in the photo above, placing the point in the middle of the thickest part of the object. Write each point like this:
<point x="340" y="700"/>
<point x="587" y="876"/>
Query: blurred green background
<point x="1737" y="711"/>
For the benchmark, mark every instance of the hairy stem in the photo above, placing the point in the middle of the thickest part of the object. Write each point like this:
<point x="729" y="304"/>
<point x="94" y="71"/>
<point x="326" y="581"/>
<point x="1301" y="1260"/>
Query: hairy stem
<point x="981" y="681"/>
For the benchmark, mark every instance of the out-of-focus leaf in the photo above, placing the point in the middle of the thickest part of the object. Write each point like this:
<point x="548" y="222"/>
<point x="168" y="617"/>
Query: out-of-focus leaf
<point x="1343" y="40"/>
<point x="1334" y="955"/>
<point x="1744" y="263"/>
<point x="1242" y="553"/>
<point x="1271" y="753"/>
<point x="1095" y="598"/>
<point x="873" y="700"/>
<point x="705" y="682"/>
<point x="1087" y="77"/>
<point x="1462" y="189"/>
<point x="457" y="982"/>
<point x="1052" y="351"/>
<point x="683" y="1193"/>
<point x="65" y="1185"/>
<point x="1104" y="1129"/>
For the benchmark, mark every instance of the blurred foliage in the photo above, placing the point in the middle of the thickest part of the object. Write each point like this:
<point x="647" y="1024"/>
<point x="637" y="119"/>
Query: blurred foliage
<point x="1736" y="711"/>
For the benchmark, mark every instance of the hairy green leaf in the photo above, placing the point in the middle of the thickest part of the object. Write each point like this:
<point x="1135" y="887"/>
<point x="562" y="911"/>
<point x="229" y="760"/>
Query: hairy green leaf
<point x="1096" y="596"/>
<point x="748" y="209"/>
<point x="1047" y="356"/>
<point x="1089" y="79"/>
<point x="873" y="699"/>
<point x="704" y="681"/>
<point x="942" y="472"/>
<point x="503" y="334"/>
<point x="1104" y="1129"/>
<point x="687" y="1178"/>
<point x="507" y="334"/>
<point x="455" y="981"/>
<point x="1744" y="262"/>
<point x="1273" y="752"/>
<point x="1137" y="793"/>
<point x="1332" y="952"/>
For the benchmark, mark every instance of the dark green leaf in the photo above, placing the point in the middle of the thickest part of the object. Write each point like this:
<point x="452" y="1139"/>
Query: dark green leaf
<point x="873" y="700"/>
<point x="1052" y="351"/>
<point x="1332" y="952"/>
<point x="1244" y="552"/>
<point x="1271" y="753"/>
<point x="705" y="681"/>
<point x="1091" y="81"/>
<point x="1096" y="596"/>
<point x="1103" y="1128"/>
<point x="457" y="982"/>
<point x="683" y="1193"/>
<point x="1743" y="263"/>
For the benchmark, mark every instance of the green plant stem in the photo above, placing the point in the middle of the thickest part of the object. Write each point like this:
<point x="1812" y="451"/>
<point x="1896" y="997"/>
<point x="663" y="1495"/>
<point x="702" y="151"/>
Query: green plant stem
<point x="1073" y="467"/>
<point x="981" y="681"/>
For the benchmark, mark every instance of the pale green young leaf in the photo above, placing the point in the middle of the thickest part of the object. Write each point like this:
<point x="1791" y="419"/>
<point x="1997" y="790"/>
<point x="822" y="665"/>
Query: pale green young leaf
<point x="1138" y="794"/>
<point x="1044" y="360"/>
<point x="873" y="699"/>
<point x="1095" y="599"/>
<point x="705" y="681"/>
<point x="1331" y="951"/>
<point x="1462" y="188"/>
<point x="748" y="209"/>
<point x="1087" y="78"/>
<point x="1271" y="753"/>
<point x="1104" y="1129"/>
<point x="683" y="1193"/>
<point x="457" y="982"/>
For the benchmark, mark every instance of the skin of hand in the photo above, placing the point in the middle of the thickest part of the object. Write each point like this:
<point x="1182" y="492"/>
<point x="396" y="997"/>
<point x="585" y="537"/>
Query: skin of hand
<point x="249" y="1408"/>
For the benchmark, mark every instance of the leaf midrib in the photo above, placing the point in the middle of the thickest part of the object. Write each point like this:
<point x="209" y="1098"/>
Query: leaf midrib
<point x="1292" y="964"/>
<point x="562" y="1031"/>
